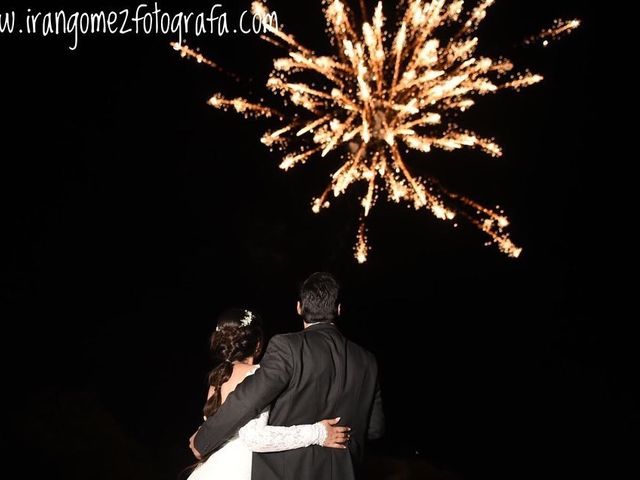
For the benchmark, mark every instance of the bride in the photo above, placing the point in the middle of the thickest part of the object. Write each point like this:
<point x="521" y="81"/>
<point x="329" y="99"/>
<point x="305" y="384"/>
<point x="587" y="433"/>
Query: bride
<point x="236" y="342"/>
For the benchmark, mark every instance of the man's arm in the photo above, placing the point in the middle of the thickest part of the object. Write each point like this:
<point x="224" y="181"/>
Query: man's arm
<point x="376" y="420"/>
<point x="249" y="398"/>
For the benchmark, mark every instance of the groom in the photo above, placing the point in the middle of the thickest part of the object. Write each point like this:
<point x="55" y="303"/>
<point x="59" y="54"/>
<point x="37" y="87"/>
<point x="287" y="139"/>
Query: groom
<point x="304" y="376"/>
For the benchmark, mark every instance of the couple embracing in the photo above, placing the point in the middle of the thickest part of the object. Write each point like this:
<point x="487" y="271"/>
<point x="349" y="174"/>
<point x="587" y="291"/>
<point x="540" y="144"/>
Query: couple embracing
<point x="262" y="421"/>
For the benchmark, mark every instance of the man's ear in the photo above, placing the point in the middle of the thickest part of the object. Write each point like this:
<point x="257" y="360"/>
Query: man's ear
<point x="339" y="308"/>
<point x="299" y="308"/>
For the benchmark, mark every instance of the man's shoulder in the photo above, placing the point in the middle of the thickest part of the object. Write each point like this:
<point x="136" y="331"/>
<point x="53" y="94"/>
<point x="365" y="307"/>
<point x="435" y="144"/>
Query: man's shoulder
<point x="281" y="338"/>
<point x="363" y="351"/>
<point x="285" y="337"/>
<point x="292" y="339"/>
<point x="285" y="340"/>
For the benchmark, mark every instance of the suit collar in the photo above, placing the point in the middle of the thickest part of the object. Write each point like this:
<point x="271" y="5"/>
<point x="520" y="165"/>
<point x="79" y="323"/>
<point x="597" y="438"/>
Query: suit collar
<point x="320" y="326"/>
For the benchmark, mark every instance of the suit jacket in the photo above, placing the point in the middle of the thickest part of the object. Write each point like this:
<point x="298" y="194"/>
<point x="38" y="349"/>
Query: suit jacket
<point x="305" y="376"/>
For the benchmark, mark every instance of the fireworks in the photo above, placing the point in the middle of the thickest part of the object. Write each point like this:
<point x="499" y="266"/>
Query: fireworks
<point x="383" y="94"/>
<point x="559" y="28"/>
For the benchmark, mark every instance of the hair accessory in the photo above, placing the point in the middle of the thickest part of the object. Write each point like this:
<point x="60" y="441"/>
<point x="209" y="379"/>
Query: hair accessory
<point x="247" y="319"/>
<point x="244" y="321"/>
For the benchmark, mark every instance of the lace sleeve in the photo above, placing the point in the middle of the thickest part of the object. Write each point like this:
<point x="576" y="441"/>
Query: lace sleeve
<point x="260" y="437"/>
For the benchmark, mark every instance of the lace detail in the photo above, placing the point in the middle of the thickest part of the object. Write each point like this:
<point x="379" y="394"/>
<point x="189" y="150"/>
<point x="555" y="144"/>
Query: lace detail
<point x="261" y="437"/>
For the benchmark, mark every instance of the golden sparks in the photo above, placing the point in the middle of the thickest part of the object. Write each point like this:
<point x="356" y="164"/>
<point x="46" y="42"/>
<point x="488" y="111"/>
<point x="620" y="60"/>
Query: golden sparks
<point x="186" y="52"/>
<point x="383" y="94"/>
<point x="558" y="29"/>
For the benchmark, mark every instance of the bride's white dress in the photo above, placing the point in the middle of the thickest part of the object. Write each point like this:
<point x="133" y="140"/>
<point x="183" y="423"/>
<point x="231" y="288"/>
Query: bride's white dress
<point x="233" y="460"/>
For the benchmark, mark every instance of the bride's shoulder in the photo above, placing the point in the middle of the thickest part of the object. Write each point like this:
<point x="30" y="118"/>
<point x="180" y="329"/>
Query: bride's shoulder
<point x="244" y="368"/>
<point x="251" y="370"/>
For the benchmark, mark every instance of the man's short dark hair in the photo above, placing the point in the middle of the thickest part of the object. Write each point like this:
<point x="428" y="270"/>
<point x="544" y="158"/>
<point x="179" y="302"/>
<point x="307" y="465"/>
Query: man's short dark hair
<point x="319" y="298"/>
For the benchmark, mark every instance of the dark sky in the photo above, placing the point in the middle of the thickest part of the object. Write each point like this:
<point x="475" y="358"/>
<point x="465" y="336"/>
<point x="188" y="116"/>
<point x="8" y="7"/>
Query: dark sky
<point x="134" y="214"/>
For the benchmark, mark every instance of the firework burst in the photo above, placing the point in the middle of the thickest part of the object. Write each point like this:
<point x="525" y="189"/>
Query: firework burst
<point x="383" y="94"/>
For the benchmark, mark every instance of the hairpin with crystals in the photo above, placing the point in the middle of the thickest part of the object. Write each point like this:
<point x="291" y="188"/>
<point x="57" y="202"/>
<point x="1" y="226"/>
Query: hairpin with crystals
<point x="247" y="319"/>
<point x="244" y="321"/>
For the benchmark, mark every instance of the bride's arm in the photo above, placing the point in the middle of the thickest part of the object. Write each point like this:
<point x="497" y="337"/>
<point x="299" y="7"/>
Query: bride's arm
<point x="249" y="398"/>
<point x="261" y="437"/>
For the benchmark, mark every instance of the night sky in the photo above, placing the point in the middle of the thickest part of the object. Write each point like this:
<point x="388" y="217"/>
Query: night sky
<point x="134" y="214"/>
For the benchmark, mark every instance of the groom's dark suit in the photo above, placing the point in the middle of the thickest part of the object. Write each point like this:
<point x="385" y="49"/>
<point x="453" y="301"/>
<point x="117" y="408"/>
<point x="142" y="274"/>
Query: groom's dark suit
<point x="305" y="377"/>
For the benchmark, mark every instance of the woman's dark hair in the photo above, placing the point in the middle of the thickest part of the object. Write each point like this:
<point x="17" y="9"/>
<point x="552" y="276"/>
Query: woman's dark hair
<point x="319" y="298"/>
<point x="238" y="336"/>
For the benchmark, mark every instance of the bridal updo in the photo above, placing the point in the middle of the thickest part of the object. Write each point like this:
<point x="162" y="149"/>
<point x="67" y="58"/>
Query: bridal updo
<point x="238" y="336"/>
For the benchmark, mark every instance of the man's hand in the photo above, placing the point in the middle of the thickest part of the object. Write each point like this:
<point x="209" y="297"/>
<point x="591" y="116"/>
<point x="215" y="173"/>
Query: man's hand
<point x="337" y="437"/>
<point x="196" y="453"/>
